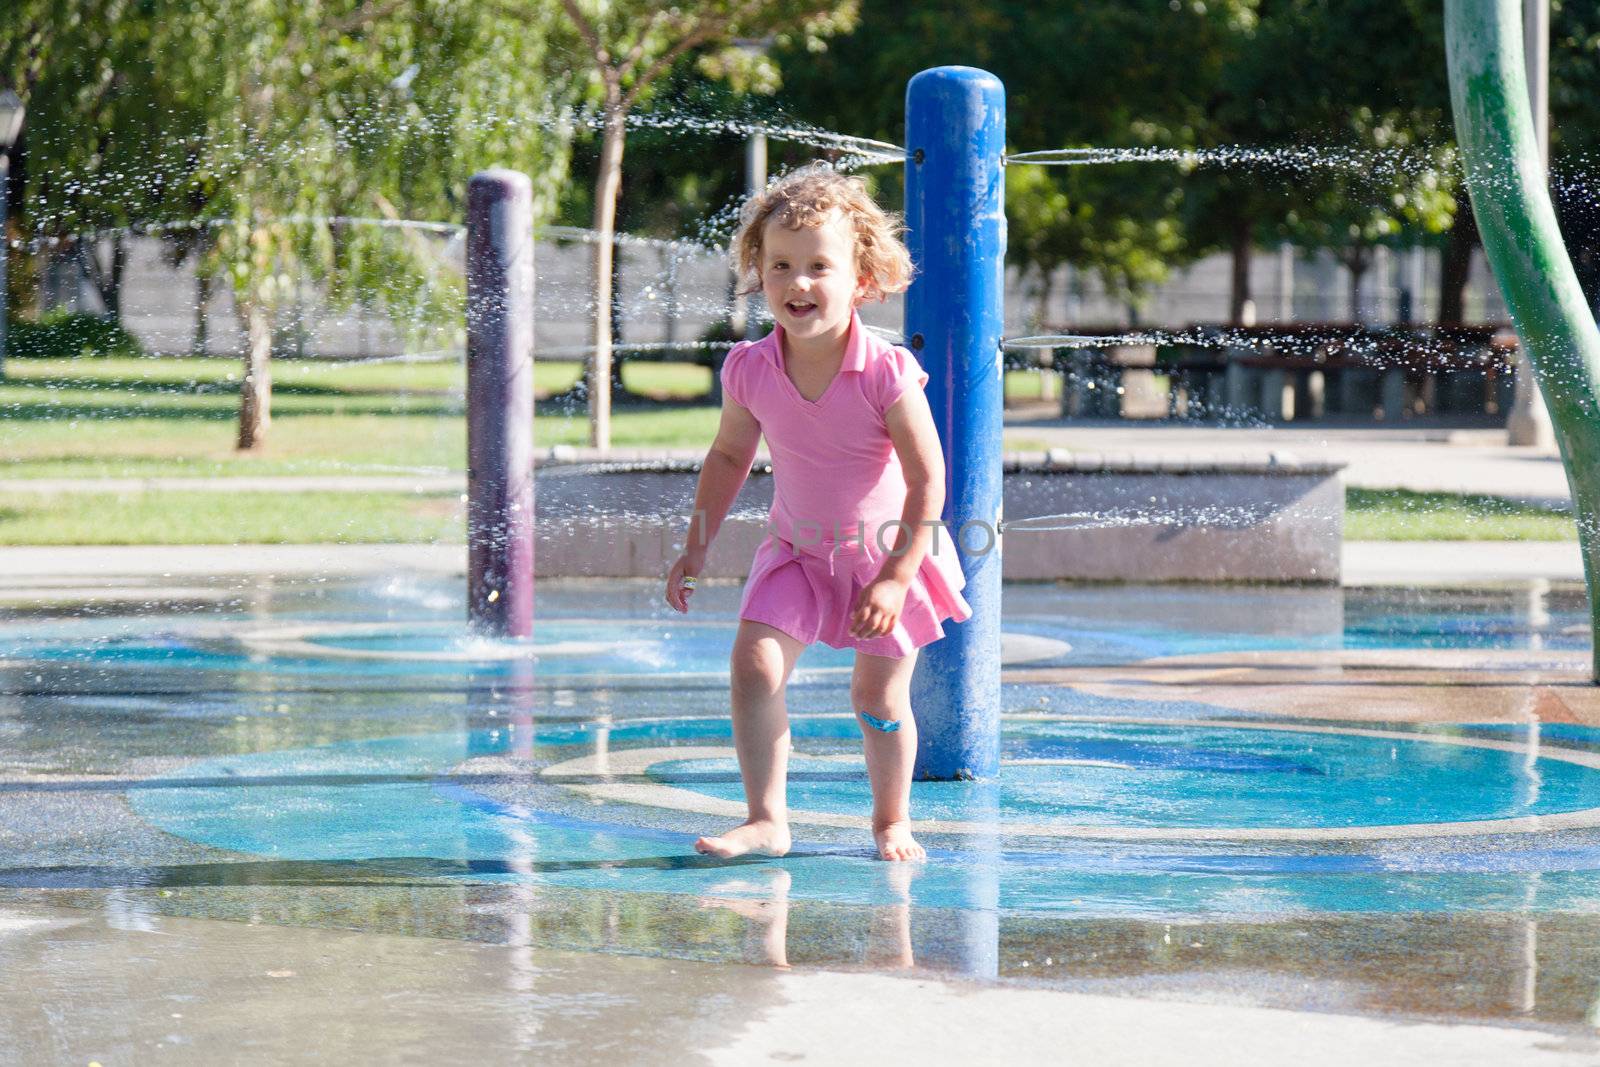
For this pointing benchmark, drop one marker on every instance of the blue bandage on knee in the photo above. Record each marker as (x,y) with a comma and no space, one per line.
(887,726)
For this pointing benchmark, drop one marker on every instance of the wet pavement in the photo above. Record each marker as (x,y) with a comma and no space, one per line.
(125,986)
(1372,814)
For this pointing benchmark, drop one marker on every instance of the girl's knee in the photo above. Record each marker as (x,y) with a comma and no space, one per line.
(757,668)
(878,698)
(881,685)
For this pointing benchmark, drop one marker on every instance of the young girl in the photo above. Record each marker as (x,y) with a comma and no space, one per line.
(858,485)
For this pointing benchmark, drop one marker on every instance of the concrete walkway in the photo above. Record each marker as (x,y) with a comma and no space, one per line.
(1424,460)
(1459,562)
(1363,562)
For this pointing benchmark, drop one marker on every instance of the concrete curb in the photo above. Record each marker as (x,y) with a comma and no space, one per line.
(1112,519)
(1364,562)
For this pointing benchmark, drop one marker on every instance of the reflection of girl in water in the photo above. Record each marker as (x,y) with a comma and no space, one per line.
(764,901)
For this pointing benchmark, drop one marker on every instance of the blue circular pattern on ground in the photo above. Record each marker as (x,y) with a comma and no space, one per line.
(391,802)
(1145,775)
(577,650)
(667,647)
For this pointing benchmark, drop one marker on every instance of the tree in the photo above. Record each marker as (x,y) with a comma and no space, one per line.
(1164,74)
(280,118)
(104,130)
(1057,216)
(366,109)
(678,187)
(1575,132)
(1178,69)
(1100,74)
(630,44)
(1349,95)
(32,31)
(1352,214)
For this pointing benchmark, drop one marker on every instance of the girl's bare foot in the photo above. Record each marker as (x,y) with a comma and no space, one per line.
(895,842)
(763,836)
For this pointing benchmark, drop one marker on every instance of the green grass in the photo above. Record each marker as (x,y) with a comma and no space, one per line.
(103,418)
(360,443)
(667,381)
(162,380)
(203,518)
(1024,384)
(176,417)
(1402,515)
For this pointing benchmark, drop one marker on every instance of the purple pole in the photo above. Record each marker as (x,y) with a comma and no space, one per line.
(500,403)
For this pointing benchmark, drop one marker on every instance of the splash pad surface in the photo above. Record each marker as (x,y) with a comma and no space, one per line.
(1264,762)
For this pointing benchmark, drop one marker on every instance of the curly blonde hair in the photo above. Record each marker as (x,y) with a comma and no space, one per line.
(808,197)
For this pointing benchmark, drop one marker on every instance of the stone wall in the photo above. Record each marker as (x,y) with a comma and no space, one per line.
(1068,516)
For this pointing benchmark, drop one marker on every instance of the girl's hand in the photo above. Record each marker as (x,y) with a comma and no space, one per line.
(681,580)
(878,608)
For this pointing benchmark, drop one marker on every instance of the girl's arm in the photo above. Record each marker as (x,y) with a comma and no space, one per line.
(916,442)
(723,473)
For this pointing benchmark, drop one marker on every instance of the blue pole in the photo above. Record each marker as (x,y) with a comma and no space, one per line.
(955,217)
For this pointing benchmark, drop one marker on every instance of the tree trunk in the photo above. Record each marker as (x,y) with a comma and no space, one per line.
(255,394)
(107,285)
(1455,266)
(1046,290)
(202,299)
(1356,260)
(1239,291)
(119,264)
(669,306)
(615,312)
(607,184)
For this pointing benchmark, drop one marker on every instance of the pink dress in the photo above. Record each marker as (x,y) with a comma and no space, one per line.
(838,493)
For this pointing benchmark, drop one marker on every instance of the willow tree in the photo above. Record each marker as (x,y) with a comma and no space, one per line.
(104,130)
(320,109)
(629,45)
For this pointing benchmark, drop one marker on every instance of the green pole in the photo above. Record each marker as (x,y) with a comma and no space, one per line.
(1510,195)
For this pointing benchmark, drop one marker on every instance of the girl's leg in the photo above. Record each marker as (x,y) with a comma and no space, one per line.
(763,658)
(881,688)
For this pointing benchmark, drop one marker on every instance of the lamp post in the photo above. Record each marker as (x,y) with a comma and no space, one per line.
(11,112)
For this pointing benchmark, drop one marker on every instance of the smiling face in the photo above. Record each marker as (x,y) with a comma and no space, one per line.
(808,276)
